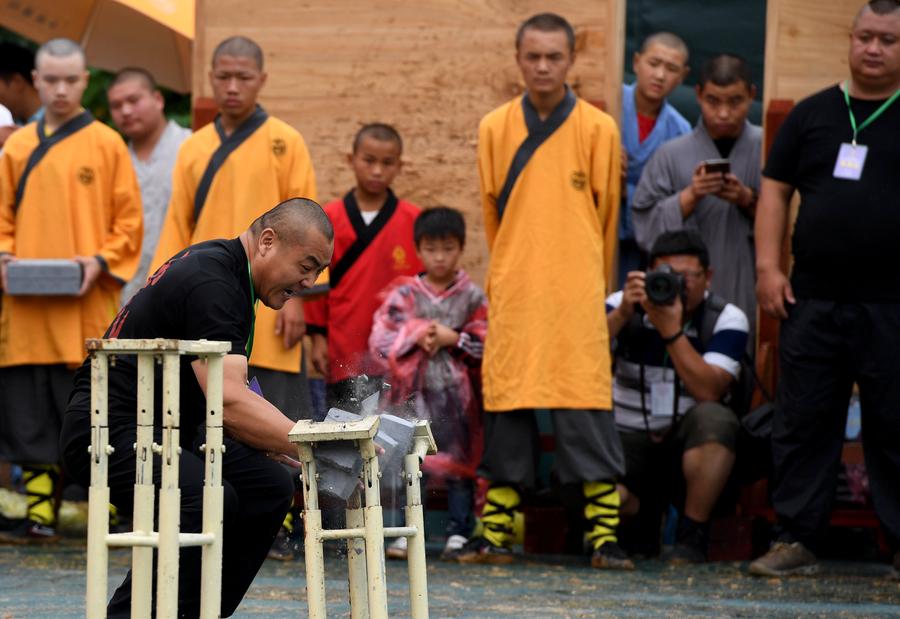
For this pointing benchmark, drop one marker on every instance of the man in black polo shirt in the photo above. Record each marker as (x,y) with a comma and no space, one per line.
(209,291)
(840,149)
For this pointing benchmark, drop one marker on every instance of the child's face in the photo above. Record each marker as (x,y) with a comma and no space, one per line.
(440,256)
(375,164)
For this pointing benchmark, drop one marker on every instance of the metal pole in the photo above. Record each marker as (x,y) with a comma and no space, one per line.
(312,520)
(213,492)
(356,560)
(144,491)
(375,573)
(169,494)
(415,558)
(98,494)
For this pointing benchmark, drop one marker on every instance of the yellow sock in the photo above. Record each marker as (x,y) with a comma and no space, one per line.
(288,522)
(601,512)
(497,518)
(40,489)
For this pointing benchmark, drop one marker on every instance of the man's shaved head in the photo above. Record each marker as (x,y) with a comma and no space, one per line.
(879,7)
(292,218)
(666,39)
(59,48)
(240,47)
(133,73)
(547,22)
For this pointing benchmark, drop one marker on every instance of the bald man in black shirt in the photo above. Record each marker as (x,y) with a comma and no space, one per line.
(209,291)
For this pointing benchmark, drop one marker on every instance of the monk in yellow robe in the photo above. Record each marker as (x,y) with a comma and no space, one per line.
(549,165)
(229,173)
(67,190)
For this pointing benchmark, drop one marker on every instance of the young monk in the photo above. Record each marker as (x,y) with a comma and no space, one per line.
(373,245)
(67,190)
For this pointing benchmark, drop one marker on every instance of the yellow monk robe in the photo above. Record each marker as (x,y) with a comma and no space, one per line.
(81,199)
(269,166)
(551,256)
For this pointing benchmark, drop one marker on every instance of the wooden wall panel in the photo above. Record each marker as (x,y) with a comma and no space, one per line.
(432,68)
(806,46)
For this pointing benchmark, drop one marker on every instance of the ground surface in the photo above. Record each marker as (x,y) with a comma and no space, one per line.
(49,583)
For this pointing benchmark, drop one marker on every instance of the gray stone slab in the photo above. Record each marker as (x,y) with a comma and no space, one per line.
(341,416)
(336,483)
(341,455)
(43,277)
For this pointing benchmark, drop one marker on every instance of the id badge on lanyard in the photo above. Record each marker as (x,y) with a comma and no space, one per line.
(662,399)
(851,159)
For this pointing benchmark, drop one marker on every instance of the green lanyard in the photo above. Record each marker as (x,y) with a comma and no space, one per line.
(871,118)
(253,301)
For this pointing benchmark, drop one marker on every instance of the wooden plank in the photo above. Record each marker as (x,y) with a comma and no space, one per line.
(432,69)
(806,46)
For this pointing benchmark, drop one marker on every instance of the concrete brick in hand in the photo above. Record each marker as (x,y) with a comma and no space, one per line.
(43,277)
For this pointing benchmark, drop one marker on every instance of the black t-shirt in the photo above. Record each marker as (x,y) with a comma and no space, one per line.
(203,293)
(846,242)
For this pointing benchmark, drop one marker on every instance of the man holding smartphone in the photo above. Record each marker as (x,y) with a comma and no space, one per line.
(708,180)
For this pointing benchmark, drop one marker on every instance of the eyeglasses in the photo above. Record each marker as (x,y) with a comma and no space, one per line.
(694,275)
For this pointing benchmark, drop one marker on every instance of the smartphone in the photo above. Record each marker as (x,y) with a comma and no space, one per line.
(714,166)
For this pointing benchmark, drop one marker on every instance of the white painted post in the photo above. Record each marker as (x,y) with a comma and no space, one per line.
(415,517)
(144,491)
(375,572)
(356,560)
(312,522)
(213,492)
(98,493)
(169,494)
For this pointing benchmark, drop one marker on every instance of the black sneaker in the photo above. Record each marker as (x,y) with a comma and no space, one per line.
(29,532)
(894,574)
(610,556)
(685,553)
(479,550)
(285,547)
(7,524)
(691,543)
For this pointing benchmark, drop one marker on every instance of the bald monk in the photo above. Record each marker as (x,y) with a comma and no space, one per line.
(225,176)
(208,292)
(550,168)
(67,190)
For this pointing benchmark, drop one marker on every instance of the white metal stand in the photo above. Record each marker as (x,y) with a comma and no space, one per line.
(365,532)
(143,539)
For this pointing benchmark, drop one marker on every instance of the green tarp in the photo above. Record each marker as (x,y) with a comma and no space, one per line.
(709,27)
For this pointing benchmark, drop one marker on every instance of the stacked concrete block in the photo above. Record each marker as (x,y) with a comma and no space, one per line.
(339,463)
(395,436)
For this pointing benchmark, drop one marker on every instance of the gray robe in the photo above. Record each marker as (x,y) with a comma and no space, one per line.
(726,229)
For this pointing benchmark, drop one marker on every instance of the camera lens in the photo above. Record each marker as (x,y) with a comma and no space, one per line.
(663,285)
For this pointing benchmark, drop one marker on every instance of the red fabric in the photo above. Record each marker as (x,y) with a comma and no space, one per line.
(346,311)
(645,126)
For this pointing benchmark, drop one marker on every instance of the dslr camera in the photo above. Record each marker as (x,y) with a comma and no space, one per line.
(664,285)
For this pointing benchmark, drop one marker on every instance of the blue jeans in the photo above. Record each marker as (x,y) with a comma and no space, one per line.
(460,505)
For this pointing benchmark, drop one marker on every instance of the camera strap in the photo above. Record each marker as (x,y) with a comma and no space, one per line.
(642,378)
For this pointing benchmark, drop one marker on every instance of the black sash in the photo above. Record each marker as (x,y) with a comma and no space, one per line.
(365,234)
(228,145)
(538,132)
(45,143)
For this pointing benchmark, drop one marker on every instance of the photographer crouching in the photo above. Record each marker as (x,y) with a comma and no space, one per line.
(677,350)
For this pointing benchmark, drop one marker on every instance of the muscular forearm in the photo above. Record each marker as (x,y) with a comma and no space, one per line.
(252,420)
(703,382)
